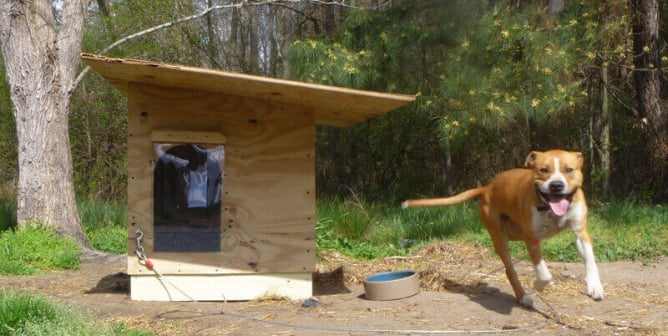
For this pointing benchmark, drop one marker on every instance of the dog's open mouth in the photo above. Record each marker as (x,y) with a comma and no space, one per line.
(558,203)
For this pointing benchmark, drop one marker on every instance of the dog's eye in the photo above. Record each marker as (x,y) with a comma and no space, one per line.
(569,170)
(544,170)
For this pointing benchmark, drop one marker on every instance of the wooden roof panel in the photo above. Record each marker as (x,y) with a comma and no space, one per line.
(333,106)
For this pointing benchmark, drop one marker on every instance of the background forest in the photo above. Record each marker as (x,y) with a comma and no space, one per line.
(494,80)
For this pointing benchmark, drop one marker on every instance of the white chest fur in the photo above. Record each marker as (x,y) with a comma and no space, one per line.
(546,224)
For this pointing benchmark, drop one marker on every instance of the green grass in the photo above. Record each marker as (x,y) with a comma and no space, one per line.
(621,230)
(368,231)
(629,231)
(36,248)
(105,225)
(28,314)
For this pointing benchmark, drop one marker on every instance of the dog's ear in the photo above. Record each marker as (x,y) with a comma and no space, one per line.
(531,159)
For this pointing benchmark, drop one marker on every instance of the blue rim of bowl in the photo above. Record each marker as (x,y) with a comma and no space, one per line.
(389,276)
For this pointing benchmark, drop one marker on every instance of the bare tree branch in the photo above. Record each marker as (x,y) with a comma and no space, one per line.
(208,11)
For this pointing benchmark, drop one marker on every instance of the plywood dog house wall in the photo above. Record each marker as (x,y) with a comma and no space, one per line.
(252,230)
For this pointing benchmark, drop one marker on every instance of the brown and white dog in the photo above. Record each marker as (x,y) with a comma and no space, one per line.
(530,205)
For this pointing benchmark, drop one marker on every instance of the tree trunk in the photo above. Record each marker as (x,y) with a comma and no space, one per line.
(446,166)
(41,57)
(210,57)
(253,55)
(648,75)
(604,135)
(236,38)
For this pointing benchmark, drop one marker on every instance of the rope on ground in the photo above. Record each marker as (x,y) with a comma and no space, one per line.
(372,330)
(554,316)
(144,260)
(350,329)
(166,282)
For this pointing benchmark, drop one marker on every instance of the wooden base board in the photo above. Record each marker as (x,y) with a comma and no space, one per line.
(231,287)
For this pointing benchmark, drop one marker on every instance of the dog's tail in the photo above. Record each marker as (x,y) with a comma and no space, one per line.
(459,198)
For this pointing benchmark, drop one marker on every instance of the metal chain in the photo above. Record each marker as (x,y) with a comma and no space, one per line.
(140,248)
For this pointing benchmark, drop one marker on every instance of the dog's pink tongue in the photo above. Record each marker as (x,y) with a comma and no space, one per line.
(559,205)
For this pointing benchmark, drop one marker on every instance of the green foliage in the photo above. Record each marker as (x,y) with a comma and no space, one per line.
(379,51)
(493,82)
(518,65)
(372,53)
(327,71)
(97,214)
(98,127)
(130,17)
(105,225)
(34,315)
(98,116)
(34,248)
(7,213)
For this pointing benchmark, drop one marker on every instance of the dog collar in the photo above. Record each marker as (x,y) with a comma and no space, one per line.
(543,207)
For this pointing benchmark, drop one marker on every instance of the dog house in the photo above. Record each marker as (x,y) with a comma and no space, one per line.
(221,177)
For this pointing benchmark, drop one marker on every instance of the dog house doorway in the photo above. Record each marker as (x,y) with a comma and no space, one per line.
(187,195)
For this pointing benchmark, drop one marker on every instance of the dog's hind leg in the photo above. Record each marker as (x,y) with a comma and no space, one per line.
(501,247)
(500,241)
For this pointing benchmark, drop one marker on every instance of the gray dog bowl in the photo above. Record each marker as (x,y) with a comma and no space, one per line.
(391,285)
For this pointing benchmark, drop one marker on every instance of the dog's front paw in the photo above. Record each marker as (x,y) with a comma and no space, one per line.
(540,285)
(594,287)
(543,276)
(595,290)
(527,301)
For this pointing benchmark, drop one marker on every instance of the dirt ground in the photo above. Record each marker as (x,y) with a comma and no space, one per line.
(463,290)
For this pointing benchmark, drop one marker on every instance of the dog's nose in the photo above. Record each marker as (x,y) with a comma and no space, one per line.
(556,186)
